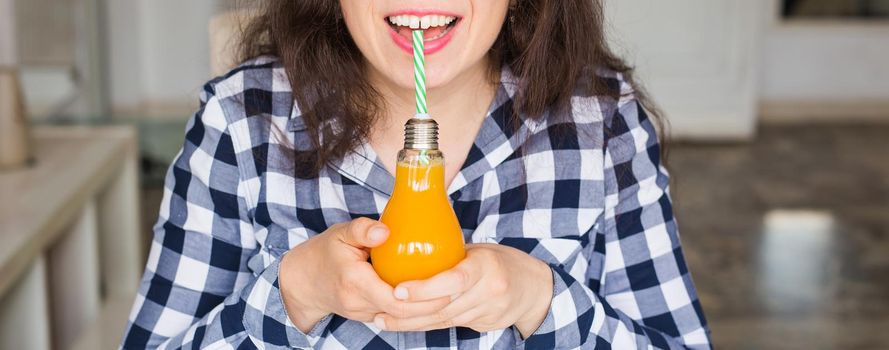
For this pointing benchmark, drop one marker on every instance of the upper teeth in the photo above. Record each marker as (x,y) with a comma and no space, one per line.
(424,22)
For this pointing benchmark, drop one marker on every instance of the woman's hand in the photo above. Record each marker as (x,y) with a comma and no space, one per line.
(329,273)
(495,287)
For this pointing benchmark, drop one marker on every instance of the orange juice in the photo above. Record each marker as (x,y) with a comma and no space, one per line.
(425,236)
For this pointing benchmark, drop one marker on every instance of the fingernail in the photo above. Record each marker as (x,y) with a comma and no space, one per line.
(401,293)
(378,321)
(377,234)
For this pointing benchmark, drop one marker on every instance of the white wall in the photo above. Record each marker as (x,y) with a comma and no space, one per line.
(830,61)
(826,69)
(157,55)
(123,52)
(699,60)
(714,76)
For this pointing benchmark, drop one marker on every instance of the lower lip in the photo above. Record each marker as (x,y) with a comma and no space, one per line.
(430,46)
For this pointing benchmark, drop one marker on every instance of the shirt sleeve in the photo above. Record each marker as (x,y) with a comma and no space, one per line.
(645,298)
(197,290)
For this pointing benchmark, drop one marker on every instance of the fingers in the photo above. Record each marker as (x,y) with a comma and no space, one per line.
(461,311)
(379,294)
(445,284)
(363,233)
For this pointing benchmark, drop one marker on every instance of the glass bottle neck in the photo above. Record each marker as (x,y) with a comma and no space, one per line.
(419,171)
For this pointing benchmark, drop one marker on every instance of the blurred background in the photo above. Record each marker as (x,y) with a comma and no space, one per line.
(779,155)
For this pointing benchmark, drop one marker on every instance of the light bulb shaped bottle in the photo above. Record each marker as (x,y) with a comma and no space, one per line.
(424,235)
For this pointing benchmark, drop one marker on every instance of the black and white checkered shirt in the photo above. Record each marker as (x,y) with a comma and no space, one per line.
(585,193)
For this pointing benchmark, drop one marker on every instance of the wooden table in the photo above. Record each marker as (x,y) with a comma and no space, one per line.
(69,239)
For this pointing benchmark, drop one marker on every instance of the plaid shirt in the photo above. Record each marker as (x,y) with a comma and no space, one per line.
(583,191)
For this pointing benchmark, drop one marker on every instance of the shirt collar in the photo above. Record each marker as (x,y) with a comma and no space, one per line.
(497,139)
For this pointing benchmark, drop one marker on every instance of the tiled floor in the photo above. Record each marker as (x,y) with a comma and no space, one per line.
(787,236)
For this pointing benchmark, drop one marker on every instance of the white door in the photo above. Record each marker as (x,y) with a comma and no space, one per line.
(699,59)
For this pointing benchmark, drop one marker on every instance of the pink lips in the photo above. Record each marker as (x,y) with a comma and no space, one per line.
(431,46)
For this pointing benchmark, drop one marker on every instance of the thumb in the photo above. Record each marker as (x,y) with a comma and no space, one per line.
(364,233)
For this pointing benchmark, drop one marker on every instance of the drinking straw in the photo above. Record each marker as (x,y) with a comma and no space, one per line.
(420,74)
(420,83)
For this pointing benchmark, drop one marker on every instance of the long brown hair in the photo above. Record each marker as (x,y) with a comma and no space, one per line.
(550,45)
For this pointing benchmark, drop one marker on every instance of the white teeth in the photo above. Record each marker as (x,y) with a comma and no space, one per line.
(424,22)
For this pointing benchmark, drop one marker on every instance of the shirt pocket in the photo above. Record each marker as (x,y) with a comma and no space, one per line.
(570,223)
(554,251)
(555,236)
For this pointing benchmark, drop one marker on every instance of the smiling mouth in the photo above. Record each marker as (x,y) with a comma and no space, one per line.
(433,26)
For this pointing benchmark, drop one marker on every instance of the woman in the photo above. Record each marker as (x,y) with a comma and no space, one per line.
(552,166)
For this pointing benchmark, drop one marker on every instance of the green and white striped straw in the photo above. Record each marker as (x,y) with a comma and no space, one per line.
(420,82)
(420,73)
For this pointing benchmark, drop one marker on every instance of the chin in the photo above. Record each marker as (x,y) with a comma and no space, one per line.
(436,77)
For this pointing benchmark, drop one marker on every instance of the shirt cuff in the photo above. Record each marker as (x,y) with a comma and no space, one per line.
(569,318)
(266,319)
